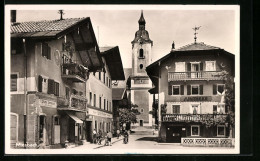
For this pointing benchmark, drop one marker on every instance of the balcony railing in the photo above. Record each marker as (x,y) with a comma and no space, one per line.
(200,75)
(74,72)
(191,117)
(214,142)
(74,103)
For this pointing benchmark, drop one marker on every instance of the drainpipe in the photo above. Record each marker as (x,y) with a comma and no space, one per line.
(159,106)
(25,95)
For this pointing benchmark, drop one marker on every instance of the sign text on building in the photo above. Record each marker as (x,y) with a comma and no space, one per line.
(196,99)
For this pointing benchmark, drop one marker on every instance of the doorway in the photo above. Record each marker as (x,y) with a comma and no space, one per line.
(195,70)
(89,131)
(141,122)
(42,127)
(173,134)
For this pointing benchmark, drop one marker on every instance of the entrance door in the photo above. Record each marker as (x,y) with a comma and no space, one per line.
(88,131)
(14,128)
(141,122)
(195,70)
(42,130)
(173,134)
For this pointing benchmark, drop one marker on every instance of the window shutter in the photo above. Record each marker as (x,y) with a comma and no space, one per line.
(188,89)
(214,89)
(51,86)
(188,67)
(40,83)
(182,89)
(49,52)
(169,89)
(201,89)
(215,107)
(13,82)
(57,88)
(201,66)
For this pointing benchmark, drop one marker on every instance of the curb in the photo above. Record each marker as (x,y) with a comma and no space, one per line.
(105,145)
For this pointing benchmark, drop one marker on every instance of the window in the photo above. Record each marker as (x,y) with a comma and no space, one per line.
(90,98)
(195,109)
(195,130)
(141,53)
(179,66)
(99,75)
(56,89)
(210,65)
(104,104)
(194,89)
(94,100)
(109,83)
(42,84)
(67,90)
(175,109)
(141,66)
(106,81)
(100,102)
(215,109)
(14,78)
(221,108)
(175,90)
(218,89)
(46,51)
(96,125)
(107,105)
(53,87)
(141,110)
(221,130)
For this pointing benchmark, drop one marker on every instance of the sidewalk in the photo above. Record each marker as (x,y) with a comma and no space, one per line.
(96,146)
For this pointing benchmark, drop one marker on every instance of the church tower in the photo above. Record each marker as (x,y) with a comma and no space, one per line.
(140,82)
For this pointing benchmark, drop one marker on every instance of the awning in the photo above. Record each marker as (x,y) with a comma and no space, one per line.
(75,118)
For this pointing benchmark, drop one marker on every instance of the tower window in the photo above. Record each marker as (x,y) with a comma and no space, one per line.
(141,66)
(141,53)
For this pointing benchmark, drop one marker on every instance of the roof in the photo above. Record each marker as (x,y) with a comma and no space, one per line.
(114,62)
(118,93)
(197,46)
(187,50)
(122,84)
(44,28)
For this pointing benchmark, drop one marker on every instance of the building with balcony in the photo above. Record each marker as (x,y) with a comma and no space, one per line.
(190,84)
(99,92)
(50,65)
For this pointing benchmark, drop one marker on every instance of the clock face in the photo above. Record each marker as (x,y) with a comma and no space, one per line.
(57,57)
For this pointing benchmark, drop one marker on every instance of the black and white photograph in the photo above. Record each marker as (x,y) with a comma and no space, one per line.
(122,79)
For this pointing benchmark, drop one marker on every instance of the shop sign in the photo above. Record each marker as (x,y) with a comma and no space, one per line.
(47,103)
(196,99)
(99,113)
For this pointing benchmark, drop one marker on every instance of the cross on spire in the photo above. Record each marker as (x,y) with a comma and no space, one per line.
(195,33)
(61,13)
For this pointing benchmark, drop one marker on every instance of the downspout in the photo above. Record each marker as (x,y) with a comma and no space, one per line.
(25,95)
(159,106)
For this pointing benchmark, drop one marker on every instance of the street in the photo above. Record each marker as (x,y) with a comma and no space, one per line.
(141,142)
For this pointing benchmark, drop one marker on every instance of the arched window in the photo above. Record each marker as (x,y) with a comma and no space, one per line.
(141,53)
(141,66)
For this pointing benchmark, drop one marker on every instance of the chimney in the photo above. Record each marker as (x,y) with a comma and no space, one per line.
(173,46)
(13,16)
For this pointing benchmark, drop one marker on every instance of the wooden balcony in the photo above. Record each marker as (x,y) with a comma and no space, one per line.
(191,117)
(200,75)
(74,103)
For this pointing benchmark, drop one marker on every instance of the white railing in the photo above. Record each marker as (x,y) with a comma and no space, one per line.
(214,142)
(200,75)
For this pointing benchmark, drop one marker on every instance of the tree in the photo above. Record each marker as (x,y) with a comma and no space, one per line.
(128,116)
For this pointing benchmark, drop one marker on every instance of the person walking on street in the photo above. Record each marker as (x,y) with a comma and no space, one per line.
(117,133)
(94,136)
(99,137)
(109,137)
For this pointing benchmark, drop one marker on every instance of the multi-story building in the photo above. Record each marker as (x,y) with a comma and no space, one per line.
(99,91)
(140,82)
(190,83)
(50,64)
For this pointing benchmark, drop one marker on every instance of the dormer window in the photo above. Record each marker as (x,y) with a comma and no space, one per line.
(141,53)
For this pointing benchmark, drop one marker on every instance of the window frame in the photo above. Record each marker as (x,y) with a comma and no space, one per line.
(176,105)
(214,69)
(198,130)
(195,104)
(141,110)
(198,89)
(94,100)
(179,90)
(184,66)
(224,130)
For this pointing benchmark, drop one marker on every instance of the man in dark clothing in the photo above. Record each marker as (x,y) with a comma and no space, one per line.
(109,137)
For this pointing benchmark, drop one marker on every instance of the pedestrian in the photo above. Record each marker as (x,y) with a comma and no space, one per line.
(99,137)
(117,133)
(94,136)
(125,134)
(109,137)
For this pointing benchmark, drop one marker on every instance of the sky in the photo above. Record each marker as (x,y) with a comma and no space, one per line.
(117,27)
